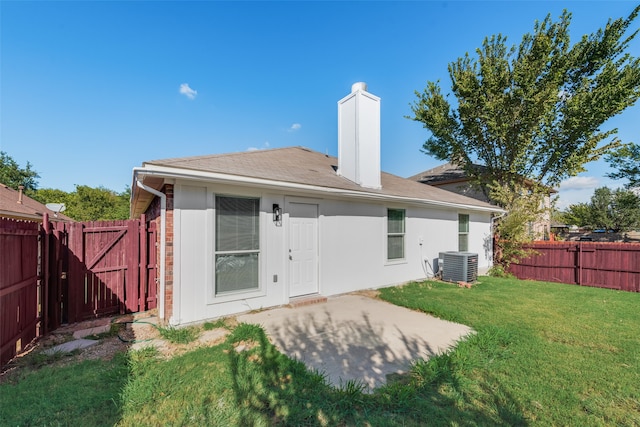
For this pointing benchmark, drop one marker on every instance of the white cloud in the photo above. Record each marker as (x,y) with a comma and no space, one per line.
(577,189)
(294,127)
(568,198)
(187,91)
(264,147)
(579,183)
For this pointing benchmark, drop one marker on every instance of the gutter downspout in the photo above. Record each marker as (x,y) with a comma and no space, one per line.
(163,247)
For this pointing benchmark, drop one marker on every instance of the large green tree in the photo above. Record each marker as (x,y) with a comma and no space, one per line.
(626,161)
(88,203)
(12,175)
(533,113)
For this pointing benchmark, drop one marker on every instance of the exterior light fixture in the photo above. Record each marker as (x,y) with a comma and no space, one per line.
(277,214)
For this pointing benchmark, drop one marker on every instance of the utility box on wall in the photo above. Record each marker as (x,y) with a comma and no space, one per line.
(458,266)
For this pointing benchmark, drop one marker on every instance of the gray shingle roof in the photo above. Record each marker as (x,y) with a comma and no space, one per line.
(304,166)
(450,173)
(447,172)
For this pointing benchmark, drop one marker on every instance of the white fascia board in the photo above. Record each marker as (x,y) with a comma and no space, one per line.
(426,202)
(168,172)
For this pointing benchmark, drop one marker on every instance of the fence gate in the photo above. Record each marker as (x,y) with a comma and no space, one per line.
(109,271)
(148,264)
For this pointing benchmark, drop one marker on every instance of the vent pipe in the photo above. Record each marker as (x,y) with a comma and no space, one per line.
(20,189)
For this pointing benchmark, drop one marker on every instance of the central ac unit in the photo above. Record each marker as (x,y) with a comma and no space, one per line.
(458,266)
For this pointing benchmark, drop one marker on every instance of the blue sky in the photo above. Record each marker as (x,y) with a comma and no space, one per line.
(90,90)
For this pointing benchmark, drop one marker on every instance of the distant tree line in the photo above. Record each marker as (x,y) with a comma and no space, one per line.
(615,210)
(88,203)
(85,203)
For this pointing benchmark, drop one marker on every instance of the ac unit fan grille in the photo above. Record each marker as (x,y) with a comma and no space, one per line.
(459,266)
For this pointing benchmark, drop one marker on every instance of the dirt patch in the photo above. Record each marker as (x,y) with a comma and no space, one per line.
(34,357)
(149,336)
(125,333)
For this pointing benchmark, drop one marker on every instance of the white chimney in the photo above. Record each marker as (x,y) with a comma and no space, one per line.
(359,137)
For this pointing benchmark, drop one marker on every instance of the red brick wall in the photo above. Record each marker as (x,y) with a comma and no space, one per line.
(168,268)
(153,215)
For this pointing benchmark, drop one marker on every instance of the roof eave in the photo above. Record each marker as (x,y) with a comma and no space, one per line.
(20,215)
(215,177)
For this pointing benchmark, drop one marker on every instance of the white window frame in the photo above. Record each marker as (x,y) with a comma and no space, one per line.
(464,232)
(233,295)
(397,234)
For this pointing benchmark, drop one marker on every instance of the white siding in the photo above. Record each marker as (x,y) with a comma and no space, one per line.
(351,248)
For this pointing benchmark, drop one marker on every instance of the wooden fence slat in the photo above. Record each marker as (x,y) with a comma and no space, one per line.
(132,259)
(76,280)
(19,285)
(58,273)
(151,285)
(142,262)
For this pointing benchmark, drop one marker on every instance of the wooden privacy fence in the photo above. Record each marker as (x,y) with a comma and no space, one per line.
(596,264)
(19,285)
(59,272)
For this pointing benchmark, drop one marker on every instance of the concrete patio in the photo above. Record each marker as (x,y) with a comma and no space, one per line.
(355,337)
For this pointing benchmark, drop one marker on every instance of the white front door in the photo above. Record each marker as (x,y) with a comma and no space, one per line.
(303,249)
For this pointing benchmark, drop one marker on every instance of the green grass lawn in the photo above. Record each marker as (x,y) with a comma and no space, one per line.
(543,354)
(572,354)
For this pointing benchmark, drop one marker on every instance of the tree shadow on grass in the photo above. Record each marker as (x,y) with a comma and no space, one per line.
(273,389)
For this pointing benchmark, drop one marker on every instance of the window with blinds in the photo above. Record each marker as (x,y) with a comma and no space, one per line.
(395,234)
(237,244)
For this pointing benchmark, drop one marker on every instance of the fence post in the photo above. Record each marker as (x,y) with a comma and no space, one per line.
(579,263)
(142,263)
(75,278)
(45,274)
(132,297)
(58,270)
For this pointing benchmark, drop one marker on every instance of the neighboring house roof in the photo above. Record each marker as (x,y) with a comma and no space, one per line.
(28,209)
(447,174)
(443,174)
(297,167)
